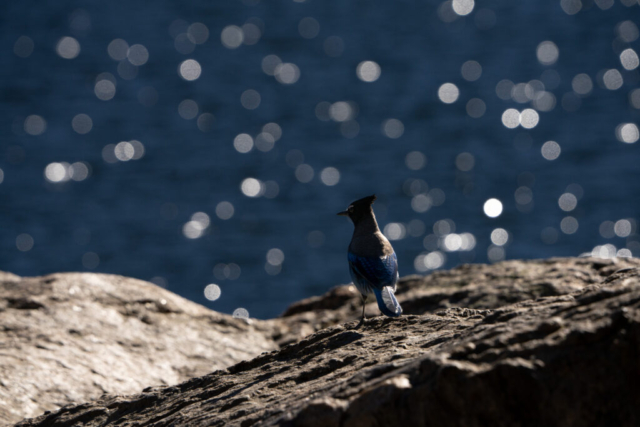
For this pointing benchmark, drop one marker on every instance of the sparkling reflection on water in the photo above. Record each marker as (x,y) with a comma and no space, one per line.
(208,149)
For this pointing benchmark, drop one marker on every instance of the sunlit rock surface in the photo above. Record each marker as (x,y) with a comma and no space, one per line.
(553,342)
(477,286)
(68,338)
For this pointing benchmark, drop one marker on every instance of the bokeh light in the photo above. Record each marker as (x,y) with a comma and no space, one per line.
(415,160)
(395,231)
(243,143)
(264,142)
(212,292)
(604,4)
(569,225)
(550,150)
(567,202)
(495,253)
(340,111)
(308,27)
(629,59)
(504,89)
(471,71)
(24,242)
(23,47)
(250,99)
(275,256)
(230,271)
(627,132)
(582,84)
(463,7)
(269,64)
(287,73)
(225,210)
(511,118)
(421,203)
(465,162)
(205,122)
(547,53)
(198,32)
(304,173)
(251,32)
(82,124)
(622,228)
(368,71)
(232,37)
(188,109)
(627,30)
(56,172)
(241,313)
(105,89)
(117,49)
(251,187)
(190,70)
(68,48)
(393,128)
(79,171)
(476,108)
(612,79)
(138,55)
(35,125)
(499,237)
(330,176)
(124,151)
(448,93)
(571,7)
(529,118)
(197,226)
(273,129)
(492,208)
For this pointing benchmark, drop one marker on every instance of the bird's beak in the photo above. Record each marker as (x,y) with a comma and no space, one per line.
(343,213)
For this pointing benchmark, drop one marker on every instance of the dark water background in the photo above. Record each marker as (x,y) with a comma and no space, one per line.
(128,217)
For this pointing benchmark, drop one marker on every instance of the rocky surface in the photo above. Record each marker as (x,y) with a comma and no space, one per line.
(478,286)
(72,337)
(553,342)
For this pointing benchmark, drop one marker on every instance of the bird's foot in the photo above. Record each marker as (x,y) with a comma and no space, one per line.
(361,323)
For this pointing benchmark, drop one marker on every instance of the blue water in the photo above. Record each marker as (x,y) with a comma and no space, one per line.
(127,217)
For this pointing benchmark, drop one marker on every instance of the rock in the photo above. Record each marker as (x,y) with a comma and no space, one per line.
(477,286)
(68,338)
(530,343)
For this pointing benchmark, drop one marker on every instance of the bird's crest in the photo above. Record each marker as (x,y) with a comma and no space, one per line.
(365,201)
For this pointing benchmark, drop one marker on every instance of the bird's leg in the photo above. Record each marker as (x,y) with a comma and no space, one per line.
(364,303)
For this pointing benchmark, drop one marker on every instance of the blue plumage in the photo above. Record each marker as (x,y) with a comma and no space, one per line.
(378,276)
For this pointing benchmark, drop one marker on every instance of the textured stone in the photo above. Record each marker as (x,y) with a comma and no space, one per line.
(67,338)
(478,286)
(553,342)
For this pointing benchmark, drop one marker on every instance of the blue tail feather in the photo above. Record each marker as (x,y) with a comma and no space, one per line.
(387,302)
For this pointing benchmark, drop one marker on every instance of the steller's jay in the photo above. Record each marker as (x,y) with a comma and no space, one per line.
(372,261)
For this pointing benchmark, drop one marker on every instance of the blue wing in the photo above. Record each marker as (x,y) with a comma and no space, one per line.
(377,275)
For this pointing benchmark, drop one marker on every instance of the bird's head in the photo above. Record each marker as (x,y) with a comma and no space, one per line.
(359,209)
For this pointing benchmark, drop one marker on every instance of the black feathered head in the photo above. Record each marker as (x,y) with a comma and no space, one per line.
(359,209)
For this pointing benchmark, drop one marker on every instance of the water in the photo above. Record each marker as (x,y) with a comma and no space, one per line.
(133,216)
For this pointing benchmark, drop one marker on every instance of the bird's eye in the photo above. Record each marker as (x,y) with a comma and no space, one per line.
(350,209)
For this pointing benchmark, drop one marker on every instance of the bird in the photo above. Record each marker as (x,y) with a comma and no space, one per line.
(373,263)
